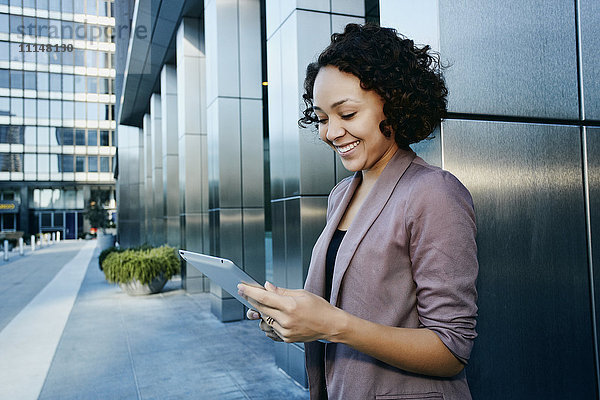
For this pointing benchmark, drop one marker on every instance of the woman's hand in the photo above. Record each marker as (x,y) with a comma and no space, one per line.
(264,326)
(294,315)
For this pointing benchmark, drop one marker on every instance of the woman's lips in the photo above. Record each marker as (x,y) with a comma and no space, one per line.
(346,149)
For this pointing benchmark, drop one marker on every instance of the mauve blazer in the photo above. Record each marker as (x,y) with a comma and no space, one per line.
(408,259)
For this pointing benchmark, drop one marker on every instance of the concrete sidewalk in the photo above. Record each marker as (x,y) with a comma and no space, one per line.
(113,346)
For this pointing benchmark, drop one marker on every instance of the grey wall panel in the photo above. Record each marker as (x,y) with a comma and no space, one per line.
(590,49)
(313,212)
(593,157)
(230,235)
(250,49)
(254,243)
(510,57)
(534,300)
(293,244)
(316,161)
(229,153)
(278,221)
(430,149)
(252,153)
(194,223)
(275,114)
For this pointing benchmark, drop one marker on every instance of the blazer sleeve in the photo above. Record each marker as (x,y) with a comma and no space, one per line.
(440,222)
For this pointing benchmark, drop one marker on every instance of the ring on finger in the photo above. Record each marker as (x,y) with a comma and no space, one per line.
(269,320)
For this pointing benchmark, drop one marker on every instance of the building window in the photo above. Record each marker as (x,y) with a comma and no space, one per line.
(11,134)
(92,137)
(92,164)
(80,164)
(80,137)
(67,163)
(104,164)
(11,162)
(104,138)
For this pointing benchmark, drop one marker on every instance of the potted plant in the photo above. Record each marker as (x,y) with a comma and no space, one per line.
(142,270)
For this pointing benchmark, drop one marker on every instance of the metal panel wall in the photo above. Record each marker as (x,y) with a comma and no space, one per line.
(148,236)
(193,152)
(170,159)
(303,169)
(129,186)
(592,138)
(517,61)
(533,287)
(158,234)
(589,19)
(234,139)
(510,57)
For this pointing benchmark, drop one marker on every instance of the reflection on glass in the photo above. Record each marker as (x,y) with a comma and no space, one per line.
(16,79)
(45,198)
(79,7)
(42,81)
(4,78)
(11,134)
(29,27)
(79,199)
(91,7)
(55,136)
(68,110)
(29,80)
(15,54)
(29,56)
(55,82)
(80,164)
(16,107)
(70,198)
(43,136)
(92,111)
(30,108)
(35,199)
(92,164)
(29,3)
(55,109)
(92,135)
(57,199)
(104,164)
(80,137)
(67,82)
(4,52)
(67,136)
(3,23)
(67,6)
(43,163)
(16,24)
(104,138)
(43,108)
(79,55)
(54,57)
(79,110)
(90,58)
(30,163)
(67,163)
(66,29)
(54,163)
(79,84)
(54,5)
(11,162)
(30,136)
(4,106)
(92,84)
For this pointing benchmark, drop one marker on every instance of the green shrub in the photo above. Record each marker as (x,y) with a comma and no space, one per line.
(104,253)
(142,265)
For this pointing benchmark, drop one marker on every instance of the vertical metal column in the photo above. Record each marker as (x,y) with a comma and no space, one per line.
(157,172)
(303,170)
(168,96)
(234,104)
(193,147)
(148,186)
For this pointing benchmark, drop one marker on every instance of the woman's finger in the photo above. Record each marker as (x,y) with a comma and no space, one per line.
(252,314)
(262,296)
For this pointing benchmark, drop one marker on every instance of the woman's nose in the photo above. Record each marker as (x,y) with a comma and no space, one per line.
(334,130)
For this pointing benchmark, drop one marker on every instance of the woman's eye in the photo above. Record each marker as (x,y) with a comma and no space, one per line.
(348,116)
(322,121)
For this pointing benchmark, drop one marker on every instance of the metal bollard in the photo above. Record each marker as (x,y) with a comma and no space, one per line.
(52,237)
(21,252)
(58,236)
(32,243)
(5,250)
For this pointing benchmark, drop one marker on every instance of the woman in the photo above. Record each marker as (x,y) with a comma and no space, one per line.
(391,283)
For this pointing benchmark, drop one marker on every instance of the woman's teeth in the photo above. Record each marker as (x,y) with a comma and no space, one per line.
(348,147)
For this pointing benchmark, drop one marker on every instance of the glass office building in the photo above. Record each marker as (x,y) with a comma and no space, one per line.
(57,143)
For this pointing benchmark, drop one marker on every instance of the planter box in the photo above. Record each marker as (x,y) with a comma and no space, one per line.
(135,288)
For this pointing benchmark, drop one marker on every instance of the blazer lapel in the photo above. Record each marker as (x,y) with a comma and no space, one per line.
(368,212)
(315,280)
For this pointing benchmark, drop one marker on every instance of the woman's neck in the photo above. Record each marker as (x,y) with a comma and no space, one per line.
(369,176)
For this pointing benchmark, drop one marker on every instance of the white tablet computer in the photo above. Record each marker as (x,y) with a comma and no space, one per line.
(221,271)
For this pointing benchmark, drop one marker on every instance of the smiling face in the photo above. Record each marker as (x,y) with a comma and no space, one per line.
(349,118)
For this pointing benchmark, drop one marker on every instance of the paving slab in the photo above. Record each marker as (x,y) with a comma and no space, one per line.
(163,346)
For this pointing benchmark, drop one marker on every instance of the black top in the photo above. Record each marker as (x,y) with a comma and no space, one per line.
(332,251)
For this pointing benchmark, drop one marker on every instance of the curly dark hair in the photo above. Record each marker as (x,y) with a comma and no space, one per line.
(408,79)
